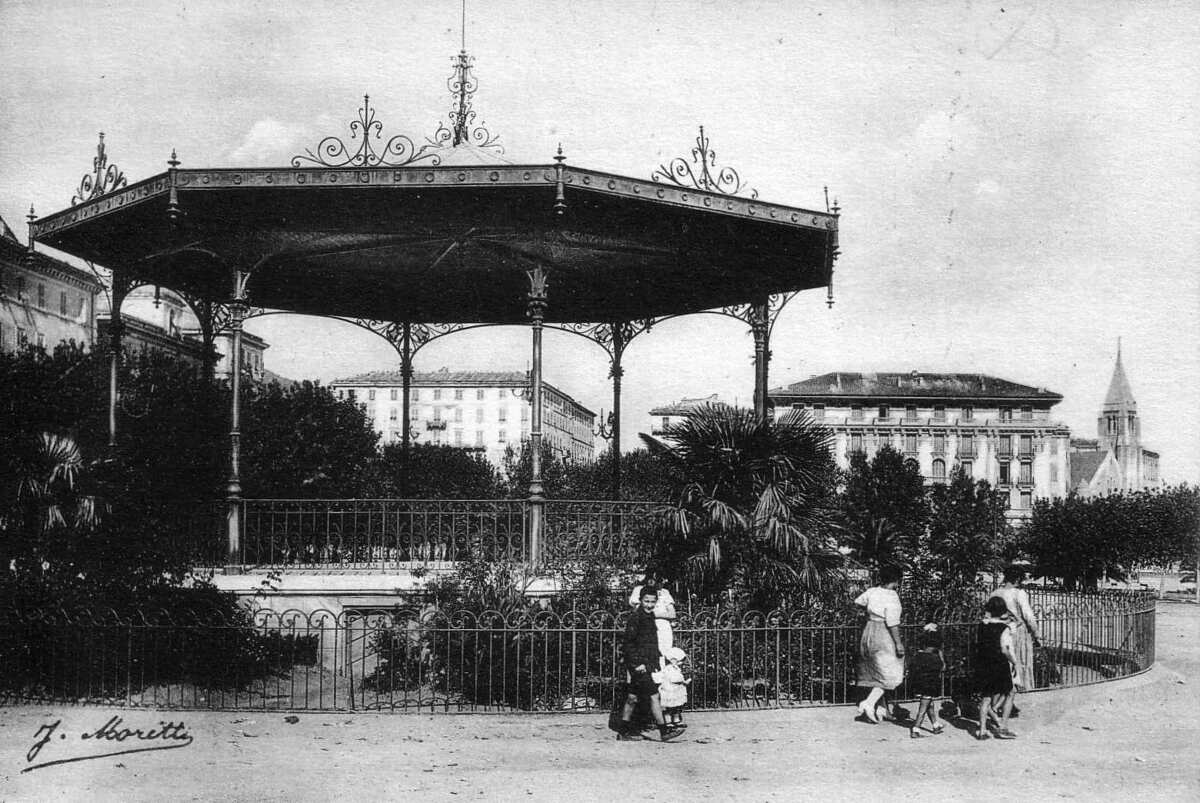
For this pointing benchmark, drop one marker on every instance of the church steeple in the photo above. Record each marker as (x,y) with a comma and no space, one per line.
(1120,395)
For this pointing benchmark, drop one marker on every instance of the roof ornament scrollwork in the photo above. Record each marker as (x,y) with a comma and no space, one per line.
(104,177)
(462,128)
(398,151)
(702,172)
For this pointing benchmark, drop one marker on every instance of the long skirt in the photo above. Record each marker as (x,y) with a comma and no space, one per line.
(878,664)
(1023,651)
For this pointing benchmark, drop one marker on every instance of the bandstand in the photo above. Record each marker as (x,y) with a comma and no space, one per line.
(418,239)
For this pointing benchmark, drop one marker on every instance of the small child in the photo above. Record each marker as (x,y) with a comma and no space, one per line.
(672,690)
(925,670)
(995,666)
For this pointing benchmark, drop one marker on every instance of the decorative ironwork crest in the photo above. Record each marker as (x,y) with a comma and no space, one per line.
(700,173)
(462,85)
(104,177)
(397,152)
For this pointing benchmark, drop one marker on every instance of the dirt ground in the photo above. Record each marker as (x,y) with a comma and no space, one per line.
(1134,739)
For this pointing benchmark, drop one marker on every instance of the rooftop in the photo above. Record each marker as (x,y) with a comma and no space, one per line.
(447,378)
(685,406)
(914,384)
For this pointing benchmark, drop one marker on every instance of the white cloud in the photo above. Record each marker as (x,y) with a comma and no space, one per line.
(269,142)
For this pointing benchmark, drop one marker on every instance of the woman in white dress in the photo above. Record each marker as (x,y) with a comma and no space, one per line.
(880,649)
(664,609)
(1022,623)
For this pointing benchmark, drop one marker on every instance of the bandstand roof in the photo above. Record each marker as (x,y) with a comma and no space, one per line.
(449,243)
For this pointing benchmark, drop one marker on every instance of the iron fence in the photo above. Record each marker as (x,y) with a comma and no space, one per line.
(425,659)
(387,534)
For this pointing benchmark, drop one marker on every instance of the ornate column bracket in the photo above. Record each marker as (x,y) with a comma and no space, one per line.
(702,173)
(103,179)
(419,334)
(612,337)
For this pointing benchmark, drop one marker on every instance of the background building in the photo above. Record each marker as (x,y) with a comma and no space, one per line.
(996,430)
(485,411)
(43,301)
(1115,460)
(675,412)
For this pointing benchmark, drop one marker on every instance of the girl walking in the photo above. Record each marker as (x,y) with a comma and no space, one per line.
(926,668)
(995,665)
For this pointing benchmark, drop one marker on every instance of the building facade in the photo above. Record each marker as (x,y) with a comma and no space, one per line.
(1115,461)
(43,301)
(482,411)
(676,412)
(995,430)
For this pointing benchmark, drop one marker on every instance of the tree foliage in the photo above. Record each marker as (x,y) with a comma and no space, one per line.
(435,471)
(751,508)
(884,510)
(968,532)
(1081,540)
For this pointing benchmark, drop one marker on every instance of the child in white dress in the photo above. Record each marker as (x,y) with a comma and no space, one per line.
(672,691)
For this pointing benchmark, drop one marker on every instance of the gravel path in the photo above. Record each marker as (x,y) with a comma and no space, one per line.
(1134,739)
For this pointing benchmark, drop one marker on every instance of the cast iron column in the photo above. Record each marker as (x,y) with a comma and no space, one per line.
(536,311)
(616,371)
(116,329)
(406,374)
(238,308)
(760,327)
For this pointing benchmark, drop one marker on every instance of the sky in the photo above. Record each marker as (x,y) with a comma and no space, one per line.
(1018,180)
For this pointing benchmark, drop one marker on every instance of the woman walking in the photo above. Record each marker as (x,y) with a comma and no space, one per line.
(880,649)
(1024,626)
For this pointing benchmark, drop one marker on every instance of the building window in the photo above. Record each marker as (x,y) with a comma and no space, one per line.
(968,413)
(939,412)
(968,468)
(41,296)
(885,412)
(479,415)
(1026,413)
(458,437)
(1026,500)
(458,394)
(393,415)
(939,470)
(856,413)
(479,436)
(1006,414)
(910,412)
(1054,472)
(62,302)
(1005,476)
(350,394)
(370,395)
(395,394)
(458,414)
(1006,445)
(82,307)
(414,395)
(797,406)
(41,340)
(1025,473)
(437,394)
(524,414)
(819,412)
(856,443)
(22,337)
(910,442)
(20,288)
(479,394)
(1025,444)
(966,445)
(502,414)
(503,437)
(437,413)
(939,442)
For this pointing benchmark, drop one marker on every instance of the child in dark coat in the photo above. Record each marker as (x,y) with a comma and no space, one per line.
(642,658)
(995,666)
(926,668)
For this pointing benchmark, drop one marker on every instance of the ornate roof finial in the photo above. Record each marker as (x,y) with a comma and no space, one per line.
(103,178)
(173,162)
(32,216)
(399,150)
(677,171)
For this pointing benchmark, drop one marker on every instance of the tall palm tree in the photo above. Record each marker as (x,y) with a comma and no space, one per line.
(751,509)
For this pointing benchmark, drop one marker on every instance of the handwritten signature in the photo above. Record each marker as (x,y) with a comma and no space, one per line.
(112,734)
